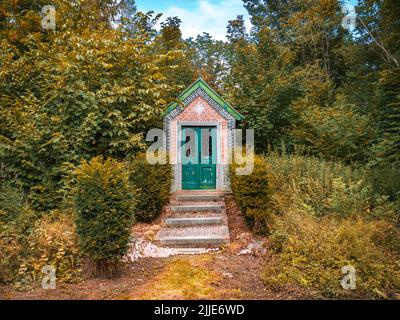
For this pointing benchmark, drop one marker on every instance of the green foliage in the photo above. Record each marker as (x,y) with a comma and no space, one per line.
(337,132)
(209,58)
(278,239)
(286,58)
(329,217)
(30,241)
(317,249)
(105,203)
(254,194)
(11,201)
(14,234)
(179,68)
(308,81)
(17,219)
(75,95)
(52,242)
(384,163)
(153,183)
(385,180)
(319,187)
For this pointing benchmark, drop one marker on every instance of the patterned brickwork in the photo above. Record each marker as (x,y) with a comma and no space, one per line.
(231,122)
(199,108)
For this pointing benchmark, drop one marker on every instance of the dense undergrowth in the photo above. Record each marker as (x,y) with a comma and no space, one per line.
(153,183)
(321,216)
(103,197)
(30,240)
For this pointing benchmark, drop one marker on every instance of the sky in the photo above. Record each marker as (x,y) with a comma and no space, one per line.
(200,16)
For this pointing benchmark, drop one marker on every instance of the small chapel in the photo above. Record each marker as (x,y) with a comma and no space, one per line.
(199,129)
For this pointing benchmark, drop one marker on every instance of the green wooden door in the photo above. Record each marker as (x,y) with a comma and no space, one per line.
(199,157)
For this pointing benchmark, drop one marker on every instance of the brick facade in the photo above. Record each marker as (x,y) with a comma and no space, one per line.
(201,107)
(208,116)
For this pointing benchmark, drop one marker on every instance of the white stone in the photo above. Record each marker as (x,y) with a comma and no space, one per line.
(141,248)
(227,274)
(244,251)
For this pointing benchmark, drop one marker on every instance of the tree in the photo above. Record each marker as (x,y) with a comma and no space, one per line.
(180,70)
(72,94)
(293,58)
(209,57)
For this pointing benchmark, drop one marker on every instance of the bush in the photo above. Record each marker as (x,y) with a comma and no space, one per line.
(253,193)
(317,249)
(11,201)
(318,186)
(330,218)
(52,242)
(17,221)
(153,183)
(105,205)
(10,250)
(385,179)
(335,132)
(29,243)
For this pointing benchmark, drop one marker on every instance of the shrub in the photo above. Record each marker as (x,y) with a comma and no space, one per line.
(321,187)
(253,193)
(17,222)
(11,201)
(52,242)
(330,218)
(105,205)
(10,251)
(278,239)
(335,132)
(29,243)
(317,249)
(385,179)
(154,184)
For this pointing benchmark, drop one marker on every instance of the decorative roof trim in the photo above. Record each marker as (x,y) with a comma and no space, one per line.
(199,83)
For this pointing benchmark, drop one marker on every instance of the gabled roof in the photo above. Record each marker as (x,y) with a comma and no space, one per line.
(200,83)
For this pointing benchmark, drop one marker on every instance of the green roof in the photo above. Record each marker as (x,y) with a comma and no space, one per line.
(213,95)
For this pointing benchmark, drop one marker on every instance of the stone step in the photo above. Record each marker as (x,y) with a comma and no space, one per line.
(190,221)
(198,197)
(197,208)
(190,250)
(204,236)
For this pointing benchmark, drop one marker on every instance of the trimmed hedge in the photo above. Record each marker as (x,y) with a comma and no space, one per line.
(154,184)
(253,193)
(105,205)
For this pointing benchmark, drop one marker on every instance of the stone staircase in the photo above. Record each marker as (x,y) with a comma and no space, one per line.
(194,219)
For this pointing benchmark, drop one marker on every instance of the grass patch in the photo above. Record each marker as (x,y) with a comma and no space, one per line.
(183,278)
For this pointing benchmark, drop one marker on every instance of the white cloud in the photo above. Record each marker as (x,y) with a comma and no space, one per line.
(208,17)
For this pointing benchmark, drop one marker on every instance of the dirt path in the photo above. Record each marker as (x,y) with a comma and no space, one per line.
(217,275)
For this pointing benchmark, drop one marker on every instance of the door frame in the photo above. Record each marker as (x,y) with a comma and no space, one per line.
(178,171)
